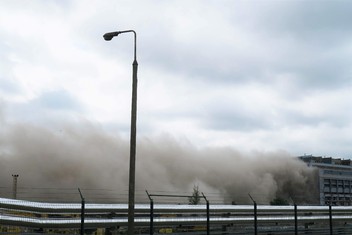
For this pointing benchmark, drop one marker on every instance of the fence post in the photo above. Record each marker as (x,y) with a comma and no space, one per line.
(296,220)
(208,214)
(255,219)
(208,218)
(82,211)
(255,216)
(151,220)
(330,219)
(151,217)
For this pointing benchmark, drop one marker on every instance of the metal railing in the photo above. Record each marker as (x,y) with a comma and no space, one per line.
(209,218)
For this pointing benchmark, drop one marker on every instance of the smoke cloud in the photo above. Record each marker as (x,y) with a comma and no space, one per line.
(83,155)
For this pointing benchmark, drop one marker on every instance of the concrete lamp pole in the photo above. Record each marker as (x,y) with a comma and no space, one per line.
(14,186)
(132,173)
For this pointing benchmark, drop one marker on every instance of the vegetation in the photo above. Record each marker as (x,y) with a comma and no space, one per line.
(195,198)
(279,202)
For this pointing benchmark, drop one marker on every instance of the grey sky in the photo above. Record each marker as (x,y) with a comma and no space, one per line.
(251,75)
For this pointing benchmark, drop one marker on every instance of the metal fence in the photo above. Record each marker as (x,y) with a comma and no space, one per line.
(19,216)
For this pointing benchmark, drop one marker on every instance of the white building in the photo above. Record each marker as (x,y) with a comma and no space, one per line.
(335,179)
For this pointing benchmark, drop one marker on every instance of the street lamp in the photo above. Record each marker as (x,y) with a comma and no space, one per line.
(14,186)
(131,184)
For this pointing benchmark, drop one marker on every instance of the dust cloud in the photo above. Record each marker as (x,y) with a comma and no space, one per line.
(84,155)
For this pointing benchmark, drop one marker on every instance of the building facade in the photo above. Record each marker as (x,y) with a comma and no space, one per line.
(335,179)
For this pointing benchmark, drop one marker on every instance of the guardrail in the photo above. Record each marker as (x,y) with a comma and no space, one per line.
(68,215)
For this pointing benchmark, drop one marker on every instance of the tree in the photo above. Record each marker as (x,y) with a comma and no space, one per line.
(195,198)
(279,202)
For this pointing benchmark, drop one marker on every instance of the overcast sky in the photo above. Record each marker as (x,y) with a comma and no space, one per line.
(250,75)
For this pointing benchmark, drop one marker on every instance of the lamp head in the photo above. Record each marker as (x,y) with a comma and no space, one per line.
(109,36)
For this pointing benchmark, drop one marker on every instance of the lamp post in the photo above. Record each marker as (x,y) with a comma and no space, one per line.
(131,185)
(14,186)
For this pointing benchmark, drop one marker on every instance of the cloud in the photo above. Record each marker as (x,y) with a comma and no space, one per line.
(250,74)
(57,100)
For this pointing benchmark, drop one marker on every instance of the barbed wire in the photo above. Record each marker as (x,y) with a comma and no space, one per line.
(111,195)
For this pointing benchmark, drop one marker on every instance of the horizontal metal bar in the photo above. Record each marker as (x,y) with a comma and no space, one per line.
(168,195)
(220,214)
(43,207)
(103,223)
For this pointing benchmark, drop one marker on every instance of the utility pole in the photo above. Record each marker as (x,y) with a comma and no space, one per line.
(14,186)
